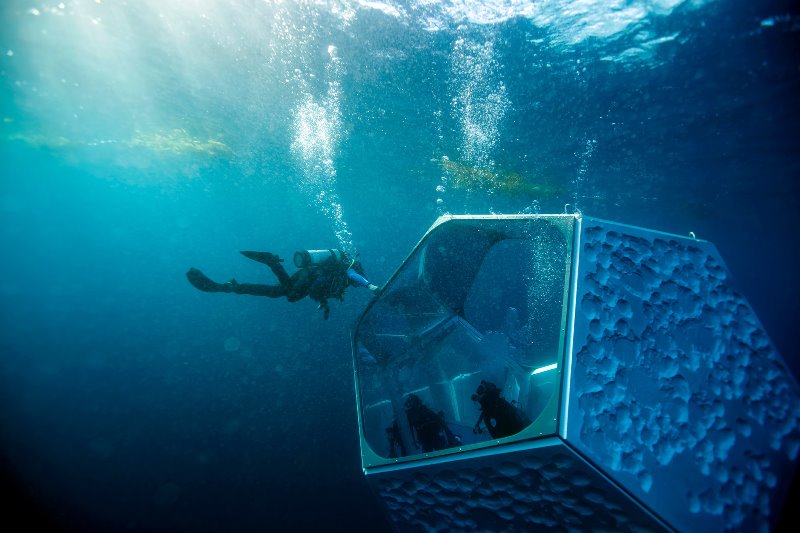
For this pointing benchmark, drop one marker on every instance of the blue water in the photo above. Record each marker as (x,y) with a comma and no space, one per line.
(140,140)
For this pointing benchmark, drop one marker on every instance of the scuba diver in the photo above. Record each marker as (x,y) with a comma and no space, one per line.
(429,429)
(321,274)
(501,417)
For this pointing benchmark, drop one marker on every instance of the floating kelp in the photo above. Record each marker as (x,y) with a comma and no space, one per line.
(175,141)
(37,140)
(178,141)
(469,178)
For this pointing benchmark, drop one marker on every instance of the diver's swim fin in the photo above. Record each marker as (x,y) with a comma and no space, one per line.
(262,257)
(203,283)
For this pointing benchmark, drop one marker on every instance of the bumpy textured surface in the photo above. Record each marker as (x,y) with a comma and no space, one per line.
(677,392)
(548,489)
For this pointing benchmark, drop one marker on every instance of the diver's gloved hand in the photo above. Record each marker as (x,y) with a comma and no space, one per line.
(374,288)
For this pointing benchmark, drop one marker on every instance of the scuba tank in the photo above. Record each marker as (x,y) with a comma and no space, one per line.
(334,271)
(312,258)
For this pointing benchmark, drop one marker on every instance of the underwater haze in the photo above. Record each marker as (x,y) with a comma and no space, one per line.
(142,138)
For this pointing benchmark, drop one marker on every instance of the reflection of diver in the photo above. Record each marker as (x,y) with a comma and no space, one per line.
(429,429)
(321,274)
(500,416)
(396,446)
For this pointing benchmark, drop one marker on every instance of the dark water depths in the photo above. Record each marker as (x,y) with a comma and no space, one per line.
(143,139)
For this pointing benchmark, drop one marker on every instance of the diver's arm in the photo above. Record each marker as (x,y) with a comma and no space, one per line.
(414,436)
(360,280)
(477,429)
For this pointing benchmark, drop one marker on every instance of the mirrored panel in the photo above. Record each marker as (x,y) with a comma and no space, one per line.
(464,344)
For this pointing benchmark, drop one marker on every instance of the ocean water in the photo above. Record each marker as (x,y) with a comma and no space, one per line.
(139,139)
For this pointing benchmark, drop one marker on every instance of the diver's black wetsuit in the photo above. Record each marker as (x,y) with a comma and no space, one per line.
(293,288)
(319,282)
(500,416)
(428,427)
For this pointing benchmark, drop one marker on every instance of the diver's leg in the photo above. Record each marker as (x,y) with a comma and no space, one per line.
(273,262)
(202,282)
(297,286)
(282,276)
(271,291)
(262,257)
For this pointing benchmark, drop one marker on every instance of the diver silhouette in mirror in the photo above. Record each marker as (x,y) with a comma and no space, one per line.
(320,275)
(501,417)
(396,446)
(429,429)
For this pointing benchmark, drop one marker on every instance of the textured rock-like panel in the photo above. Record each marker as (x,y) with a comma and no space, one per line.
(548,489)
(677,392)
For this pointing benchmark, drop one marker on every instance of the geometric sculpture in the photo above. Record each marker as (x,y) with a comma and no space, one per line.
(637,388)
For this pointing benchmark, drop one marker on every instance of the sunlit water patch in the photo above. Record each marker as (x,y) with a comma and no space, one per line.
(581,176)
(316,134)
(480,101)
(567,21)
(479,104)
